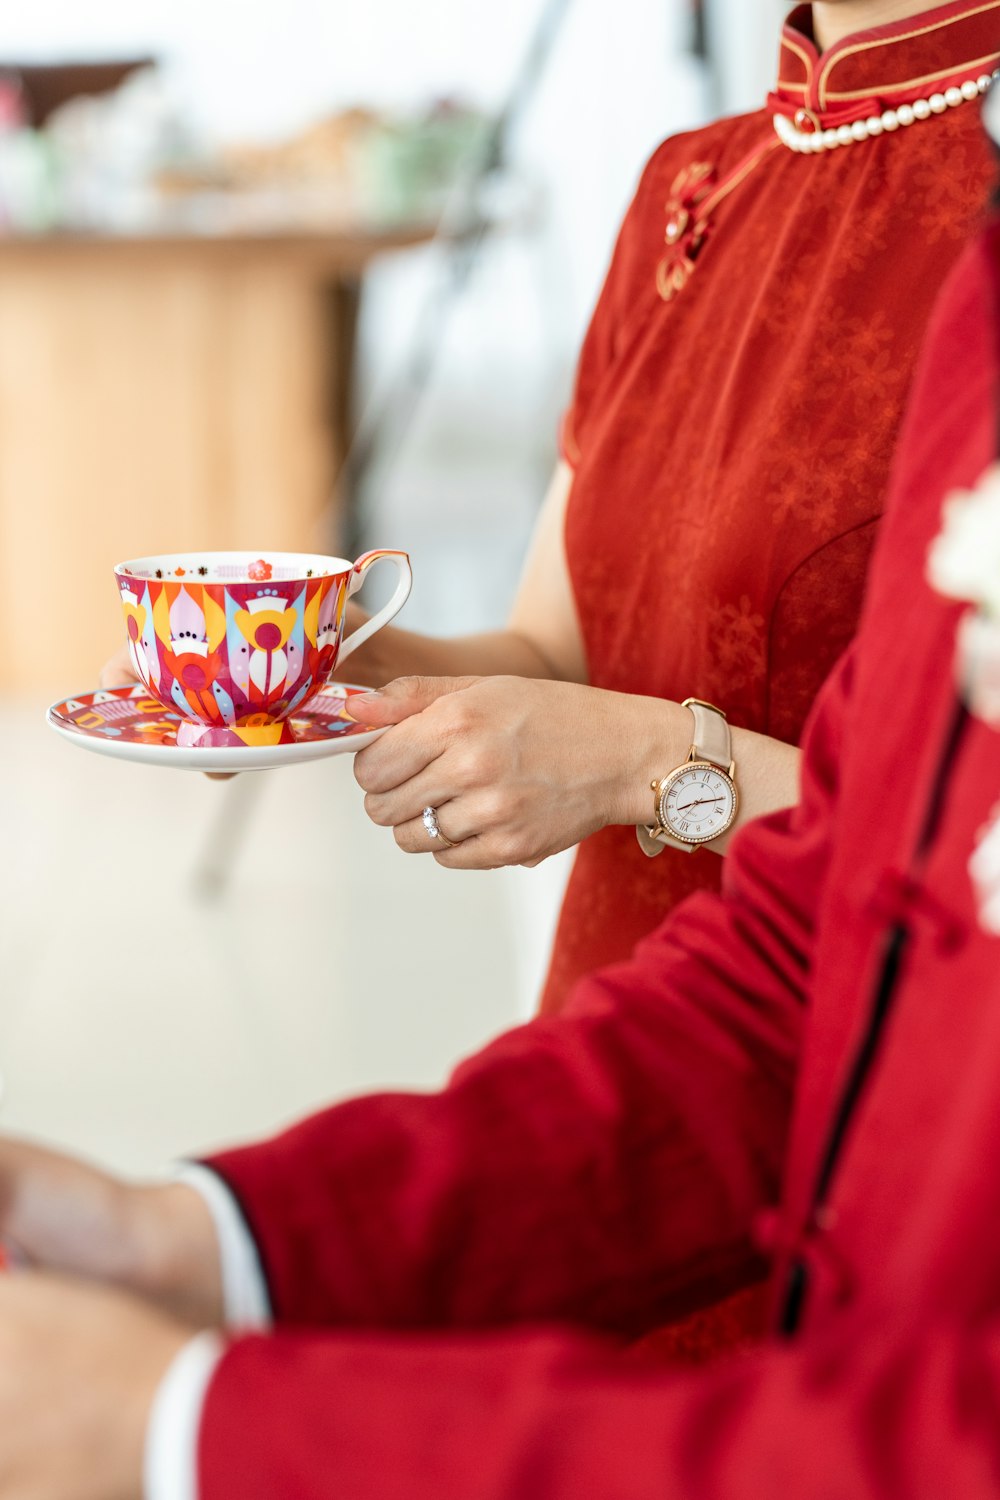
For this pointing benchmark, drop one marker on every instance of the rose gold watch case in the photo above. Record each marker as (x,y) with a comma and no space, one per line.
(663,791)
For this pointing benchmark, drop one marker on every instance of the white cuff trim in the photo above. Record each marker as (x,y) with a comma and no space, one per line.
(170,1462)
(244,1288)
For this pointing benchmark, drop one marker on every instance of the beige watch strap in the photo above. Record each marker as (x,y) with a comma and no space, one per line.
(712,742)
(712,738)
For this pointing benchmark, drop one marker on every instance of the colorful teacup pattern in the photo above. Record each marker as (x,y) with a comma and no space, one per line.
(238,657)
(236,644)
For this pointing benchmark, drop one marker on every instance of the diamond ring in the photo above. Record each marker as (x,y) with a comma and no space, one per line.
(433,828)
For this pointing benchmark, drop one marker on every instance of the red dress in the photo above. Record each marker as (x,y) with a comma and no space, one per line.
(732,446)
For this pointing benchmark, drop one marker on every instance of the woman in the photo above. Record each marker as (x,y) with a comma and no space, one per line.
(724,462)
(724,465)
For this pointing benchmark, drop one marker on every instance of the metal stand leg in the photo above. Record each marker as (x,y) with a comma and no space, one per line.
(220,849)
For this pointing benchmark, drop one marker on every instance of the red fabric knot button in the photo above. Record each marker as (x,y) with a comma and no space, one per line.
(686,227)
(813,1246)
(827,1256)
(900,899)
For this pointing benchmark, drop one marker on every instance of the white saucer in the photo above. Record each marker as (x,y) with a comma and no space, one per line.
(130,725)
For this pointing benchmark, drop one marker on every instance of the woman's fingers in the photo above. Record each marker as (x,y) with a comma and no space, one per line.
(395,758)
(432,786)
(473,852)
(413,838)
(480,838)
(443,722)
(404,697)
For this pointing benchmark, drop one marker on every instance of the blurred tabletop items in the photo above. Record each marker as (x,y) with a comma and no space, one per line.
(178,330)
(105,147)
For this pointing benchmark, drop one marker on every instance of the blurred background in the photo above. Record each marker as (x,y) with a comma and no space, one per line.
(300,275)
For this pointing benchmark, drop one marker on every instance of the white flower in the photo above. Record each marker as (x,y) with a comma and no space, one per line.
(977,666)
(984,869)
(964,559)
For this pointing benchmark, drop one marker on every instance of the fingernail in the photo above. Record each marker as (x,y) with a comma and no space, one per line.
(354,706)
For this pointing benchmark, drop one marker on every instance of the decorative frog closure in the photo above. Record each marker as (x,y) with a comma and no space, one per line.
(687,227)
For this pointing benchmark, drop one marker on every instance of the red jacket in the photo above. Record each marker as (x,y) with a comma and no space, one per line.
(825,1036)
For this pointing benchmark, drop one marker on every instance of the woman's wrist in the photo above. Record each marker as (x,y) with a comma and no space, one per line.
(175,1254)
(657,738)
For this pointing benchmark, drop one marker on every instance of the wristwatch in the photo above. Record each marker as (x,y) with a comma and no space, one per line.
(698,801)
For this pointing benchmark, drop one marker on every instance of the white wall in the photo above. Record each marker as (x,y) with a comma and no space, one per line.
(274,65)
(743,35)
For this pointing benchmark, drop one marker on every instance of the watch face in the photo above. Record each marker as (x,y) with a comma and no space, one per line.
(697,803)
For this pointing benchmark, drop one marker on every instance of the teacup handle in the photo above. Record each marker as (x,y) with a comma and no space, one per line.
(389,611)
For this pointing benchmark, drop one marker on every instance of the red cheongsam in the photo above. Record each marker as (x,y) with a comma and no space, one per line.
(736,407)
(731,445)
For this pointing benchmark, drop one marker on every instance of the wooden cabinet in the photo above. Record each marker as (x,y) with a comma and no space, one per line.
(157,395)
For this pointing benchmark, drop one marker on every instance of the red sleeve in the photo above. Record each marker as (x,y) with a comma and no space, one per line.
(544,1417)
(581,1167)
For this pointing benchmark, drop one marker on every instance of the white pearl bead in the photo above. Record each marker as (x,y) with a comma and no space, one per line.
(814,143)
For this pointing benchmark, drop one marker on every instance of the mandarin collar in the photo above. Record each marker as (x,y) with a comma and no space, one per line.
(888,65)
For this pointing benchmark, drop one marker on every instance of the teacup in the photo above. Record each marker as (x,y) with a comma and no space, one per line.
(237,641)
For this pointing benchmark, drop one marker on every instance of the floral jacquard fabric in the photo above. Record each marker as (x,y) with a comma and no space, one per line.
(732,445)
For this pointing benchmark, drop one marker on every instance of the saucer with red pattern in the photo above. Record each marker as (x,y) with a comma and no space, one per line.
(130,724)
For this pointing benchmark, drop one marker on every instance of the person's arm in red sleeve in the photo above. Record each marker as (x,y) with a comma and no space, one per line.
(604,1167)
(543,1417)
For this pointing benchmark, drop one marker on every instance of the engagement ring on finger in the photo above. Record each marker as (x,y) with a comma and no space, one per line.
(433,828)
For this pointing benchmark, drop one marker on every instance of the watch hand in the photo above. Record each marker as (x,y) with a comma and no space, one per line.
(703,802)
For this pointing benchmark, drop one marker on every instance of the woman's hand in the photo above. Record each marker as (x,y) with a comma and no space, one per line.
(517,769)
(59,1214)
(79,1368)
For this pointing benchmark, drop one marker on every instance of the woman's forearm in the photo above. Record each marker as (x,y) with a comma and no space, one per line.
(393,652)
(658,739)
(767,778)
(542,638)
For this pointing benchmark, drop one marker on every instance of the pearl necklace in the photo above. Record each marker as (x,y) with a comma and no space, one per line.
(816,139)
